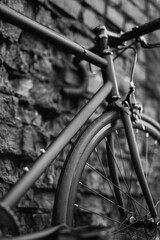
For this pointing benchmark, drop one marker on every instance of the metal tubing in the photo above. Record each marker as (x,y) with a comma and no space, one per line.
(56,147)
(46,234)
(109,74)
(114,175)
(49,35)
(151,121)
(136,161)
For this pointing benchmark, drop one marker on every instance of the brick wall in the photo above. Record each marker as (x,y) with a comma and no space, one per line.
(33,73)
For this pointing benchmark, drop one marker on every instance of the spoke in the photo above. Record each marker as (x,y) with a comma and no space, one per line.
(102,215)
(105,174)
(99,214)
(129,193)
(146,159)
(134,203)
(156,148)
(157,205)
(132,173)
(133,228)
(99,159)
(152,157)
(119,146)
(103,197)
(126,183)
(116,162)
(122,224)
(127,187)
(115,186)
(129,226)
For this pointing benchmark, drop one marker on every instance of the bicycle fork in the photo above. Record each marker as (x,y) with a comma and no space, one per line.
(109,73)
(136,161)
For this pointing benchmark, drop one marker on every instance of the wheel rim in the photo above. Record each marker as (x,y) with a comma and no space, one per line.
(99,206)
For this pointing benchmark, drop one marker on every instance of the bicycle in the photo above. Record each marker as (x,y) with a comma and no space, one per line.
(129,191)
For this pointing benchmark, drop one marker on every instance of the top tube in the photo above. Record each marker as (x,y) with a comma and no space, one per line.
(49,35)
(23,22)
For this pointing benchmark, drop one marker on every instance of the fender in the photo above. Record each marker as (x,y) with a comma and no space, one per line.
(151,121)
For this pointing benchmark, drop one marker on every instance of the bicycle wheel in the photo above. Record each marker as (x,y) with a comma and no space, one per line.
(86,192)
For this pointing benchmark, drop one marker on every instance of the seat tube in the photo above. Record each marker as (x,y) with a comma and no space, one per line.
(137,161)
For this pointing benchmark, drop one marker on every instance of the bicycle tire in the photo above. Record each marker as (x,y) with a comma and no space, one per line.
(81,169)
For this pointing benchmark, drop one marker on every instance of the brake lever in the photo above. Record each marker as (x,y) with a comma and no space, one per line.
(145,44)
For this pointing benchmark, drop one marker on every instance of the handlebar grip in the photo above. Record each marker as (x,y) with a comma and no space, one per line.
(141,30)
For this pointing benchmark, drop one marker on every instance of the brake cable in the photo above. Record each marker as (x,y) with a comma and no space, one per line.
(130,100)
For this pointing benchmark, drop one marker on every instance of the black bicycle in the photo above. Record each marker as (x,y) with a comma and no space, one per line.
(120,148)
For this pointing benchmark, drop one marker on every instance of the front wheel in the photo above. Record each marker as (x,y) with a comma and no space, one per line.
(87,193)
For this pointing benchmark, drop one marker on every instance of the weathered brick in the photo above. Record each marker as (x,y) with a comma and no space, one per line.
(99,6)
(28,114)
(140,4)
(31,43)
(91,19)
(157,3)
(33,141)
(95,81)
(14,58)
(43,64)
(156,36)
(114,3)
(128,26)
(22,86)
(133,12)
(150,109)
(8,171)
(3,76)
(9,31)
(153,11)
(82,40)
(49,178)
(47,99)
(47,20)
(8,108)
(10,139)
(71,7)
(115,17)
(141,56)
(18,5)
(140,72)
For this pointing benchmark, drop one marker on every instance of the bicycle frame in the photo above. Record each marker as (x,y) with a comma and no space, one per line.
(109,87)
(65,136)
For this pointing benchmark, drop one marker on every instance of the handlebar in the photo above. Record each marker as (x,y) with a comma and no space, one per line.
(141,30)
(136,32)
(115,39)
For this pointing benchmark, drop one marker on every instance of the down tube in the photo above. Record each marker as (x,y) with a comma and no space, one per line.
(136,161)
(21,187)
